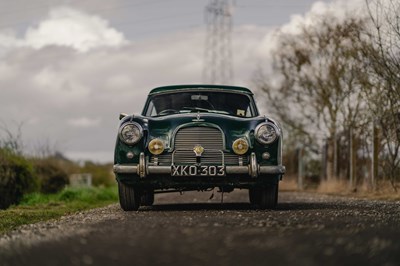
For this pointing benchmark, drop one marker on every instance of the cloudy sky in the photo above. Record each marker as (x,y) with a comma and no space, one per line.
(68,68)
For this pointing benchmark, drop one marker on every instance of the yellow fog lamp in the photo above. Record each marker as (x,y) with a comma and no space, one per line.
(240,146)
(156,146)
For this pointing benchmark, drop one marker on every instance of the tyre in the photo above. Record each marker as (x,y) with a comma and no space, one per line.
(264,198)
(255,196)
(269,197)
(147,198)
(129,197)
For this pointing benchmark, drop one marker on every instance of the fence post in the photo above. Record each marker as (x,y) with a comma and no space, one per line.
(351,158)
(300,170)
(375,154)
(324,159)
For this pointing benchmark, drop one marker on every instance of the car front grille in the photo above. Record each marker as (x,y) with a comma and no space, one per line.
(211,139)
(207,137)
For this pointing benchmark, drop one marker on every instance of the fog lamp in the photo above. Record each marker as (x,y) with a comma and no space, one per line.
(156,146)
(240,146)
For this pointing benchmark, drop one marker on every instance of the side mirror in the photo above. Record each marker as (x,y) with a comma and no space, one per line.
(122,115)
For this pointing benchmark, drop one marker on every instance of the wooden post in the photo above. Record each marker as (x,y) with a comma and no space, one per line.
(324,160)
(375,154)
(335,158)
(300,166)
(351,158)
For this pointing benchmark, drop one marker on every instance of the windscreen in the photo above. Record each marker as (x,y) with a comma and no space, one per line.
(233,104)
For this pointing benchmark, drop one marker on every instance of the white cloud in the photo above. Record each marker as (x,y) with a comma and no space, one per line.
(7,71)
(65,26)
(52,84)
(84,122)
(339,9)
(119,82)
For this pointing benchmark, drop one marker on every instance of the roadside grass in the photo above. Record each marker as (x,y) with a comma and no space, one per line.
(38,207)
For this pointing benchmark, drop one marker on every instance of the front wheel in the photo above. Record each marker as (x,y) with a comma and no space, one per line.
(129,197)
(264,198)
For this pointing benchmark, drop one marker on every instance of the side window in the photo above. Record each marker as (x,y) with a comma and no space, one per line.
(151,111)
(248,112)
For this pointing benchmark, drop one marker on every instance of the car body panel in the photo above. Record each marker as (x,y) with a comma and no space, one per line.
(179,88)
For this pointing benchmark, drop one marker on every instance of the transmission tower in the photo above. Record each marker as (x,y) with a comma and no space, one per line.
(217,67)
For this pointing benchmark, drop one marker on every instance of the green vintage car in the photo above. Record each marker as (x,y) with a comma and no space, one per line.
(197,138)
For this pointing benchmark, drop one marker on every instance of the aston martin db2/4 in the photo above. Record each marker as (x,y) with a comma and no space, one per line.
(197,138)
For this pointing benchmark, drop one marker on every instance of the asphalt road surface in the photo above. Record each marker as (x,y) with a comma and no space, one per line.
(306,229)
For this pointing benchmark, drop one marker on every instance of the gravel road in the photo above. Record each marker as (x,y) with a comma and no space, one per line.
(306,229)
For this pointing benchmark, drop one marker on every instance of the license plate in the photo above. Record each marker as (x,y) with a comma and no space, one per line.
(197,170)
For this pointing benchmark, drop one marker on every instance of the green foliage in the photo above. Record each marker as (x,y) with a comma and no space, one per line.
(83,194)
(52,176)
(16,178)
(87,194)
(38,207)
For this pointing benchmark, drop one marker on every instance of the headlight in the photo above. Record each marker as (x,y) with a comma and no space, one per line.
(156,146)
(240,146)
(130,133)
(266,133)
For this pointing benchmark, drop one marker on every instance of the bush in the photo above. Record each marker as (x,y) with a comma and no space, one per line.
(102,173)
(16,178)
(52,176)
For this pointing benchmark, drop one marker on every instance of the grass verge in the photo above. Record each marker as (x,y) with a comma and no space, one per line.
(38,207)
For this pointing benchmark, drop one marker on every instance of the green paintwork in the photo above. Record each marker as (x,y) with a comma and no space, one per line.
(164,127)
(175,88)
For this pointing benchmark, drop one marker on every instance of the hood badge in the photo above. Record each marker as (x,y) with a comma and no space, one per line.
(198,118)
(198,150)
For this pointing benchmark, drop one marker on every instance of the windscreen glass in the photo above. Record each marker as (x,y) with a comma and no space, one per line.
(233,104)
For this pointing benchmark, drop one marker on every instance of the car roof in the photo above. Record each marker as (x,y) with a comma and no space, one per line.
(173,88)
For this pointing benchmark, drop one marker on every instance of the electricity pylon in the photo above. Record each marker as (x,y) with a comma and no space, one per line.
(218,67)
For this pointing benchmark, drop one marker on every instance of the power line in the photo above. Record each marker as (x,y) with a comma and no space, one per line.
(187,27)
(269,6)
(157,19)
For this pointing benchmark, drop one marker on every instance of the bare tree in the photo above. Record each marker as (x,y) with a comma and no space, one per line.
(319,93)
(384,97)
(11,141)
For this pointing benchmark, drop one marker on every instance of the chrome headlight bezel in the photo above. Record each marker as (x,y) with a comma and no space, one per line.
(266,126)
(139,135)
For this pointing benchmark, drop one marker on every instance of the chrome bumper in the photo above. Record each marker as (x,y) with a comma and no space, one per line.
(142,169)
